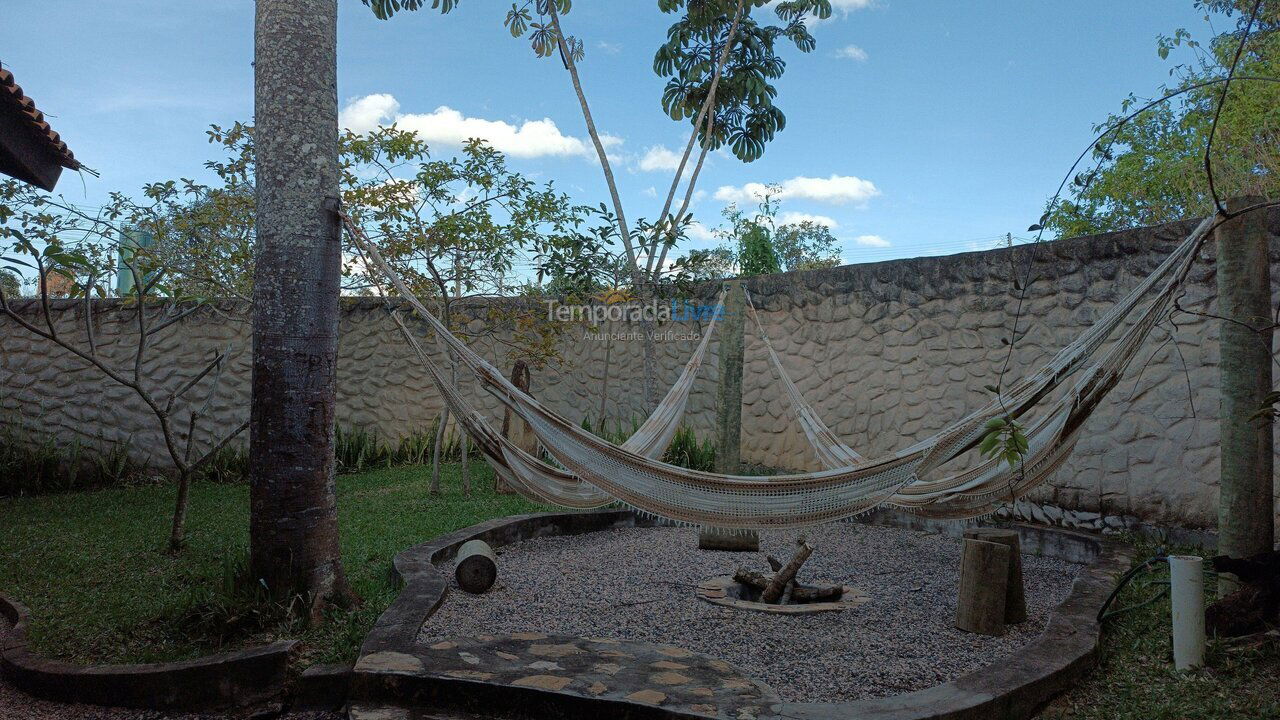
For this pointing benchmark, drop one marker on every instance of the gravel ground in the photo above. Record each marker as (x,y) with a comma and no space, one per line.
(638,584)
(17,705)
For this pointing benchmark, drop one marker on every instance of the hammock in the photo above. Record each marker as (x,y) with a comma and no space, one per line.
(904,478)
(982,489)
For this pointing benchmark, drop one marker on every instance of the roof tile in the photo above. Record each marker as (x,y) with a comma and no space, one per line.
(11,91)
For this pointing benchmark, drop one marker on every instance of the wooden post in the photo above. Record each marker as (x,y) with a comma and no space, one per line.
(1015,598)
(984,575)
(1246,505)
(729,416)
(477,567)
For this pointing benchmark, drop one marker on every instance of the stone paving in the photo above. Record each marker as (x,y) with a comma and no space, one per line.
(640,673)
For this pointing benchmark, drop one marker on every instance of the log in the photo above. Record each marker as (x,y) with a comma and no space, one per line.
(787,574)
(477,567)
(757,580)
(984,577)
(816,593)
(1015,599)
(799,593)
(711,538)
(774,563)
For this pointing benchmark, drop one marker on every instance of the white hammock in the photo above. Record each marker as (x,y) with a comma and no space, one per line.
(905,477)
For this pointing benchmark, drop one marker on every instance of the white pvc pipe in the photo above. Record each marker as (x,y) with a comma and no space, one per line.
(1186,590)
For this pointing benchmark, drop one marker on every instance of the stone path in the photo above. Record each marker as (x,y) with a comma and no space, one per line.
(639,673)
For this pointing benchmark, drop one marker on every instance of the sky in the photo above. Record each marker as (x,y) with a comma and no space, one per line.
(916,127)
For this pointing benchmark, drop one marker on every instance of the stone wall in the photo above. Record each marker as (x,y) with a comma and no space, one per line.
(888,353)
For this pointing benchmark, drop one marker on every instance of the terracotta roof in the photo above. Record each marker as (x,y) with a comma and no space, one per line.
(11,92)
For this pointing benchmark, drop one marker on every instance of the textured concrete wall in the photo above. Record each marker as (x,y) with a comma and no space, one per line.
(888,353)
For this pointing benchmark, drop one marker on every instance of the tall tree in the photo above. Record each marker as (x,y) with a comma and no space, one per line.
(1149,169)
(293,525)
(712,39)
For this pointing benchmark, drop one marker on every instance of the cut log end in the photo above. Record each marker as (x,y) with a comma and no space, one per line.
(477,567)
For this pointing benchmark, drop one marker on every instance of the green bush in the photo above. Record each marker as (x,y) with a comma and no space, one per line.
(684,451)
(357,450)
(37,467)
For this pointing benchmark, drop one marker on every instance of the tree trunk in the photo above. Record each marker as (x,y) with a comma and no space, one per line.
(729,392)
(1246,505)
(293,526)
(729,416)
(439,443)
(514,427)
(177,531)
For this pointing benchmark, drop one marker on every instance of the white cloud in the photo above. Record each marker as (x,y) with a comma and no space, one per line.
(446,126)
(852,52)
(839,9)
(871,241)
(659,157)
(609,48)
(795,218)
(365,113)
(698,231)
(835,190)
(651,191)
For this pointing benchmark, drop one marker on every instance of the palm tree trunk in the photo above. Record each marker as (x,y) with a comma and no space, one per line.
(293,525)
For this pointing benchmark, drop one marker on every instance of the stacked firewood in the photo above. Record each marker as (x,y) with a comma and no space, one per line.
(782,588)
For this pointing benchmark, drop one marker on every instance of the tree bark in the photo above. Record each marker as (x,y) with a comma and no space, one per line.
(1015,598)
(729,391)
(439,443)
(293,526)
(786,575)
(984,573)
(514,427)
(1246,505)
(178,531)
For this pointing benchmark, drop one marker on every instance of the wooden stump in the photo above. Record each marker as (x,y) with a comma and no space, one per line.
(1015,599)
(729,540)
(984,577)
(477,568)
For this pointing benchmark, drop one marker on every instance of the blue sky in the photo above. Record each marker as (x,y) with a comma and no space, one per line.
(915,127)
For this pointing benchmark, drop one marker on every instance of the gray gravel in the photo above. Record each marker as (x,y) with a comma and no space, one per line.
(638,584)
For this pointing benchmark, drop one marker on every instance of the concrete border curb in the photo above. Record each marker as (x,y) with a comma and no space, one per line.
(232,679)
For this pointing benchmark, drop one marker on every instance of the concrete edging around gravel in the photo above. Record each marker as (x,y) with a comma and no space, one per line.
(232,679)
(1065,651)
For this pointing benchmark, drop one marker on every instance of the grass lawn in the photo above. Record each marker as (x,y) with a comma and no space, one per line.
(93,568)
(1136,679)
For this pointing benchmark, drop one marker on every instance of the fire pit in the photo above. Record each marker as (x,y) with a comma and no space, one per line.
(780,592)
(725,590)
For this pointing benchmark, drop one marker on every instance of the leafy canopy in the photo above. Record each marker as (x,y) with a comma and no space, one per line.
(1150,169)
(745,116)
